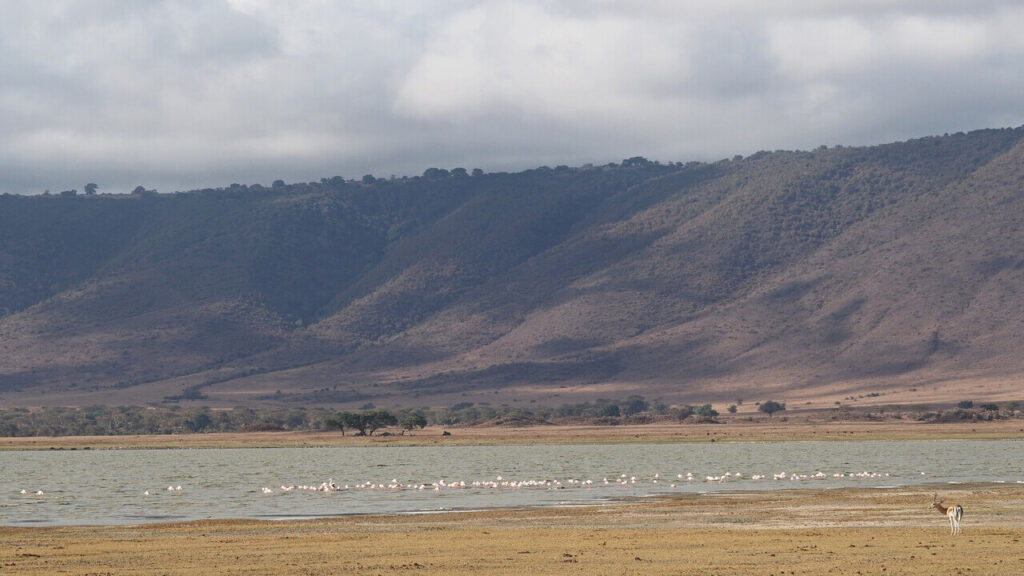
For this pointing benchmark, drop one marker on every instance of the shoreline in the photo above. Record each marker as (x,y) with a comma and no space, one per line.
(804,531)
(728,431)
(589,507)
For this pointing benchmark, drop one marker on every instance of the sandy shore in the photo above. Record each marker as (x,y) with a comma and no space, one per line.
(728,431)
(854,532)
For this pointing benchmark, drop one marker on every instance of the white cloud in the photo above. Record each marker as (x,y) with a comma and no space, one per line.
(204,93)
(531,60)
(808,49)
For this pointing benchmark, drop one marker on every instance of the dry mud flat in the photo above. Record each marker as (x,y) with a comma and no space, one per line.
(857,532)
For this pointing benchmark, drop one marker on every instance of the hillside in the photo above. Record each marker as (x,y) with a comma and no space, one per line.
(887,274)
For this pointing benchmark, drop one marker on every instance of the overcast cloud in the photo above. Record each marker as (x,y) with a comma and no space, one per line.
(183,94)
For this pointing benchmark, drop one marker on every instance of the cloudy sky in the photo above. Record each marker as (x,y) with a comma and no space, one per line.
(182,94)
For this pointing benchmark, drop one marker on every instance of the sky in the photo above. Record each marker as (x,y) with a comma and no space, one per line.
(184,94)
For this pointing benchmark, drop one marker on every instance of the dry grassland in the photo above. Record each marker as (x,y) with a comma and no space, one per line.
(842,532)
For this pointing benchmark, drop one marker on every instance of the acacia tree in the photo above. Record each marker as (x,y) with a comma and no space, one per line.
(707,413)
(413,420)
(634,405)
(355,421)
(380,419)
(365,422)
(335,423)
(770,407)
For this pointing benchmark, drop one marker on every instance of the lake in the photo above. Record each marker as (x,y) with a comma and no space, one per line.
(110,486)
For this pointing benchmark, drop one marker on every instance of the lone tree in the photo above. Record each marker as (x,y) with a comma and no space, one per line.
(335,423)
(90,189)
(380,419)
(355,420)
(412,420)
(771,406)
(365,422)
(707,413)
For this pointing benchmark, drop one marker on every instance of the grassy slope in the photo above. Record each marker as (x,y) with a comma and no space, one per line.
(803,274)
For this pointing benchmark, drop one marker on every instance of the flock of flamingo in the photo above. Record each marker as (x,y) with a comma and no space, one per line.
(954,513)
(501,483)
(622,481)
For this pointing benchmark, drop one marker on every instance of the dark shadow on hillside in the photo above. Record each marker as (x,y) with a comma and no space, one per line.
(518,372)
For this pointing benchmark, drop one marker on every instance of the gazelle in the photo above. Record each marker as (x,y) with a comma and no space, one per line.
(955,513)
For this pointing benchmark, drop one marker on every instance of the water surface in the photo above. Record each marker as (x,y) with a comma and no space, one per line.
(108,486)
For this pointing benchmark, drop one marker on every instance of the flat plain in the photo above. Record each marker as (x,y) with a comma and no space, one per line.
(764,430)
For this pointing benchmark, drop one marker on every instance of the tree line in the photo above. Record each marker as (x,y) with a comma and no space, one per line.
(118,420)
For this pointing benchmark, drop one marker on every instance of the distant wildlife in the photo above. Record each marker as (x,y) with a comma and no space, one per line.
(955,513)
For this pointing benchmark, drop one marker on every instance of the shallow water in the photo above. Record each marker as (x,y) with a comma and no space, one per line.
(108,486)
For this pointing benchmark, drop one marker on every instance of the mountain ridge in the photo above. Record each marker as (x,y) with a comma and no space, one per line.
(890,271)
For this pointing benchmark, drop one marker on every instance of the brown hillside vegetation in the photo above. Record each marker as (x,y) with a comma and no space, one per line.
(890,272)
